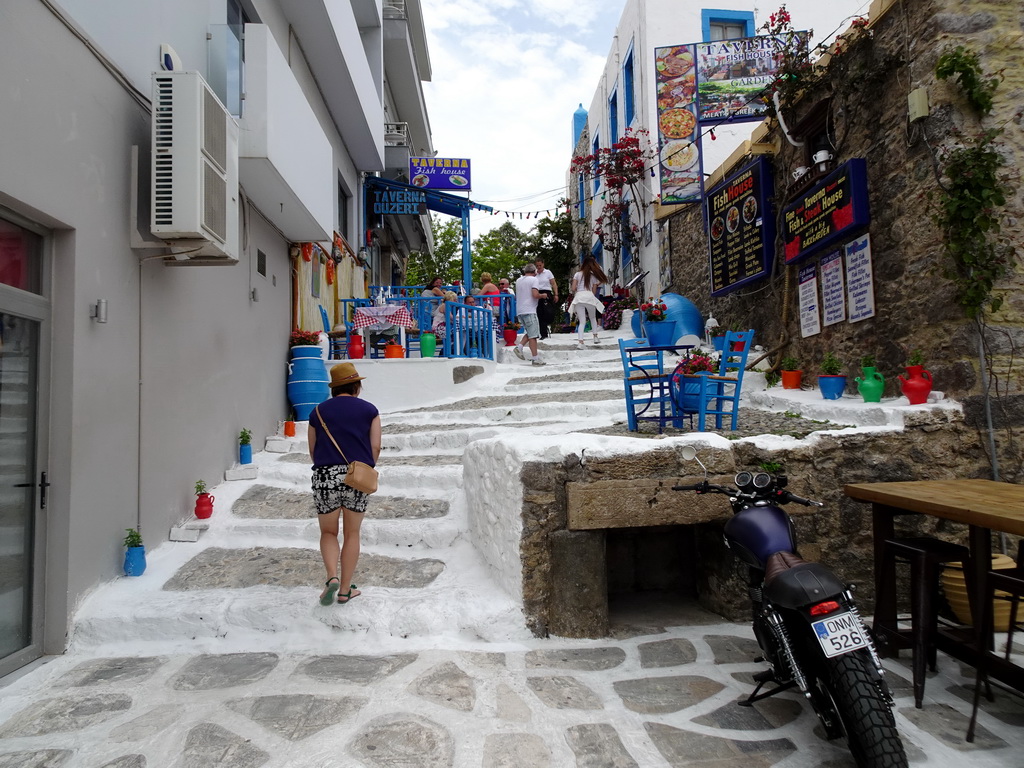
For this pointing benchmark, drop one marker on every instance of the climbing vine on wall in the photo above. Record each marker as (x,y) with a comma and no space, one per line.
(972,198)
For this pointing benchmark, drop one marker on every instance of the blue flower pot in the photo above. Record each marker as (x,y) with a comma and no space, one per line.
(832,387)
(660,334)
(634,324)
(245,454)
(134,561)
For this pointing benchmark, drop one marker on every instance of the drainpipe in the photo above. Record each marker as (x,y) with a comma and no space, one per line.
(782,122)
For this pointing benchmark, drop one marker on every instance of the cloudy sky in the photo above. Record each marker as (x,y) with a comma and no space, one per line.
(508,75)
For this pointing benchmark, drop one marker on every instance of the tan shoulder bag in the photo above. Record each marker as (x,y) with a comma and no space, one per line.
(360,475)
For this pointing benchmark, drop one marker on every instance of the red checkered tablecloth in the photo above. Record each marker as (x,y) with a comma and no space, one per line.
(384,317)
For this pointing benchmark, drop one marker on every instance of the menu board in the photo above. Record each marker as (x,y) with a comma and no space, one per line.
(829,213)
(741,227)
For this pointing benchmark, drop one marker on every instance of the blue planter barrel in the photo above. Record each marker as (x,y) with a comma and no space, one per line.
(634,324)
(661,333)
(683,314)
(307,381)
(245,454)
(134,561)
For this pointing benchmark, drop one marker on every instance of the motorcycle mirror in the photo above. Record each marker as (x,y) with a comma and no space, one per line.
(688,452)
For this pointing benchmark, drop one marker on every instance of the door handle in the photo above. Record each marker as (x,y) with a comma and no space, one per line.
(43,485)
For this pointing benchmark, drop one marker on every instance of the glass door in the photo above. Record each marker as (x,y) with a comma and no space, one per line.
(24,321)
(19,479)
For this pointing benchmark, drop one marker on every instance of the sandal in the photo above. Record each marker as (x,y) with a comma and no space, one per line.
(327,597)
(348,595)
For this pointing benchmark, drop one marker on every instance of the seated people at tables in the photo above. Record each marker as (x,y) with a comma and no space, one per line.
(438,323)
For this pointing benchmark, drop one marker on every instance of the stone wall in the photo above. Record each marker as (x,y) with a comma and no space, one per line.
(865,97)
(563,554)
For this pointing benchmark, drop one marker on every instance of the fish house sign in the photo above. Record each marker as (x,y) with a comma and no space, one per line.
(829,214)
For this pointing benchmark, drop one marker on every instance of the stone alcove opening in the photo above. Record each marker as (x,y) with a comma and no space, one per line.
(652,574)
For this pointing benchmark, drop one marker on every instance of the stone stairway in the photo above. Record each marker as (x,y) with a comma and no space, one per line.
(252,579)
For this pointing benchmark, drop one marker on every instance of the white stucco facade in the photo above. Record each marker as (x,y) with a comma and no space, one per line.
(125,415)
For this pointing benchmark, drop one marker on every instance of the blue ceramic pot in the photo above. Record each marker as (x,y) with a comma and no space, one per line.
(832,387)
(661,333)
(685,391)
(134,561)
(245,454)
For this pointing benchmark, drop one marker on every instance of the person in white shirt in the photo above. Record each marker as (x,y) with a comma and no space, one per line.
(584,301)
(548,287)
(527,297)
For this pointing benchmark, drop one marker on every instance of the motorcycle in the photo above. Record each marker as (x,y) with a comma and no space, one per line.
(806,622)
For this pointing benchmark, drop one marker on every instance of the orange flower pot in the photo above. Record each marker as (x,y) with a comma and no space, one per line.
(791,379)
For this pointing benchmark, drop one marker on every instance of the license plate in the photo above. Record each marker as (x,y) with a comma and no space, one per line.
(840,633)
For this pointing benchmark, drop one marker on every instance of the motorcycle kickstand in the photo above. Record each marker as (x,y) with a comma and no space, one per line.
(761,678)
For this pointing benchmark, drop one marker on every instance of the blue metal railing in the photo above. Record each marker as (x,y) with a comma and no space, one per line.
(469,331)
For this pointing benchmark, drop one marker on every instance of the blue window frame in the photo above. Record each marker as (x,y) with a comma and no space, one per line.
(727,22)
(596,148)
(598,253)
(581,196)
(613,116)
(628,100)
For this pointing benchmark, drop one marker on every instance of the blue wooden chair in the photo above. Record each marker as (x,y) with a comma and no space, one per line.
(719,394)
(645,371)
(337,348)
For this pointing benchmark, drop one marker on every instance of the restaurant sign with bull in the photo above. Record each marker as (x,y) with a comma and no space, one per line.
(829,214)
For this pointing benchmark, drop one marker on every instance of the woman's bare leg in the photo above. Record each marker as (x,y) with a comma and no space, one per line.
(330,551)
(351,522)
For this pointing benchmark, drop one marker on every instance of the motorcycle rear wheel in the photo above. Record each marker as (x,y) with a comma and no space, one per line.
(867,719)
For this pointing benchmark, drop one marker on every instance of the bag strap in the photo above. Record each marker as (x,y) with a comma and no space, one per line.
(322,424)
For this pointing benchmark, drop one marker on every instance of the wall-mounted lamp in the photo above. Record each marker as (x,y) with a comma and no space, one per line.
(98,311)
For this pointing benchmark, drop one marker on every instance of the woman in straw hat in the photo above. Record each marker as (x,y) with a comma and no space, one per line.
(354,424)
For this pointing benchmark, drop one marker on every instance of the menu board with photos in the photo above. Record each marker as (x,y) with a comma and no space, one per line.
(829,213)
(741,227)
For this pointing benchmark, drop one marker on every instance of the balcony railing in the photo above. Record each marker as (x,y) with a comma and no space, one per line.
(394,9)
(396,134)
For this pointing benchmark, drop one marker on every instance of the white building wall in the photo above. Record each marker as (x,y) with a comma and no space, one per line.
(142,406)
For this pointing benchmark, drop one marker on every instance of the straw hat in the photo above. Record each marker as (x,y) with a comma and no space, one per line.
(344,373)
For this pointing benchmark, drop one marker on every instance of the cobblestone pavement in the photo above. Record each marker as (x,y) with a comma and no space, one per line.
(219,655)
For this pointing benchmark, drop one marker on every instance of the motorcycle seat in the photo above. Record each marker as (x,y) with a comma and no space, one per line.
(792,582)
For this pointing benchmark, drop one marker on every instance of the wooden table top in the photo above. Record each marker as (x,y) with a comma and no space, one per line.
(985,503)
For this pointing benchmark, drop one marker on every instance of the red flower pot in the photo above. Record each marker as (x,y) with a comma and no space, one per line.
(510,335)
(791,379)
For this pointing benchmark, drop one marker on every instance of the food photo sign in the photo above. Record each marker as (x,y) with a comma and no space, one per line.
(829,214)
(679,151)
(708,83)
(440,173)
(741,227)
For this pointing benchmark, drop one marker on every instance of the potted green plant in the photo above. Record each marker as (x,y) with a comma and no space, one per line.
(918,383)
(872,384)
(134,553)
(245,446)
(791,373)
(509,332)
(831,382)
(204,501)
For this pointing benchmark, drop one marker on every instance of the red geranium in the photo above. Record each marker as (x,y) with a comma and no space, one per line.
(654,310)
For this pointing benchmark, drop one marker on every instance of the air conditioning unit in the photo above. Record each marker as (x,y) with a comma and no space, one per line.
(194,204)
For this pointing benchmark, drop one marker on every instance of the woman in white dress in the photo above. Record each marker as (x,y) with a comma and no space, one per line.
(584,303)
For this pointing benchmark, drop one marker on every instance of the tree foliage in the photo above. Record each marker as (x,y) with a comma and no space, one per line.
(445,261)
(502,252)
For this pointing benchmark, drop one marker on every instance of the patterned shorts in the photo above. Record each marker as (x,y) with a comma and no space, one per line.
(330,491)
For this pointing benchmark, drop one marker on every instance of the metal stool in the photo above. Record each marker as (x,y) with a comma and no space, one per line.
(1011,582)
(925,556)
